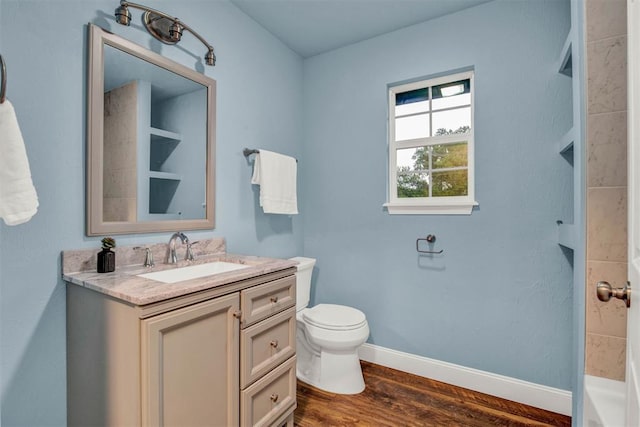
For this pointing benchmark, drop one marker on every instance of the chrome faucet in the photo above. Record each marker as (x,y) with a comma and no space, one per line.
(173,257)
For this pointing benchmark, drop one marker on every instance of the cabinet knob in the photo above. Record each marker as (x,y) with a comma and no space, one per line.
(274,343)
(237,314)
(274,299)
(274,397)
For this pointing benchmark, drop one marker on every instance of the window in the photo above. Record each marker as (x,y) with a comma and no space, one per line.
(431,146)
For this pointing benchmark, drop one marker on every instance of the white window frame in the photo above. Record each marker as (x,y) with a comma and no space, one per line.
(447,205)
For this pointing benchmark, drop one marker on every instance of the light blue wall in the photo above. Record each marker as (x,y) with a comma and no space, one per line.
(499,298)
(259,105)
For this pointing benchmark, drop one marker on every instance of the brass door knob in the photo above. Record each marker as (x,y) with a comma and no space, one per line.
(605,291)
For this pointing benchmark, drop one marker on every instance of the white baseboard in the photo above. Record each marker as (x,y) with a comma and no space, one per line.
(539,396)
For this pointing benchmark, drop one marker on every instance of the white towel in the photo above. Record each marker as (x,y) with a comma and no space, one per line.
(18,198)
(276,175)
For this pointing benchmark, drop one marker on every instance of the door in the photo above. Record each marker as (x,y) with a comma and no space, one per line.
(190,365)
(633,318)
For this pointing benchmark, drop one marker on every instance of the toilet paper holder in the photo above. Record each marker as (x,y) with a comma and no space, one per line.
(431,238)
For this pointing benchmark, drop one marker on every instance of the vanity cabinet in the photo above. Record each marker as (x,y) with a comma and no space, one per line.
(219,357)
(190,365)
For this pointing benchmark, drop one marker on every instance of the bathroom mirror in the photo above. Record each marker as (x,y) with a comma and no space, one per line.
(150,141)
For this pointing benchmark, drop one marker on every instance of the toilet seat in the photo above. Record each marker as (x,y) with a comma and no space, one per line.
(334,317)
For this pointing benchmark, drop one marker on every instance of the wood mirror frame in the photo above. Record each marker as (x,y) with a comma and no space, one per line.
(96,224)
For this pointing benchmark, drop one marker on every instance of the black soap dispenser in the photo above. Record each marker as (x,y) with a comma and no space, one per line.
(106,257)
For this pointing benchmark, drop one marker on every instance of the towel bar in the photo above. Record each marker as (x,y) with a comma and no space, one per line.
(249,151)
(3,88)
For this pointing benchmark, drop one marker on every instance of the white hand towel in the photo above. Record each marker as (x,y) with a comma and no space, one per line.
(18,198)
(276,174)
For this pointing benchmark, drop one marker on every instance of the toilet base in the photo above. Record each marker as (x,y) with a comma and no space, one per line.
(328,358)
(337,372)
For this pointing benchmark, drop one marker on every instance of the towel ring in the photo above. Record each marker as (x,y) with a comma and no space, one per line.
(3,88)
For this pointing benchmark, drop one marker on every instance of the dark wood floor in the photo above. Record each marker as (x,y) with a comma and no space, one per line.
(395,398)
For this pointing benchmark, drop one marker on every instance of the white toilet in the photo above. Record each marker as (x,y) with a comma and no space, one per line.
(327,339)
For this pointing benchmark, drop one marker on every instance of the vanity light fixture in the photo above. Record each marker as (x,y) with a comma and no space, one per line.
(163,27)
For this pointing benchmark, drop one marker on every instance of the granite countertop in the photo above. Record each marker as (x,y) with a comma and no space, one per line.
(125,284)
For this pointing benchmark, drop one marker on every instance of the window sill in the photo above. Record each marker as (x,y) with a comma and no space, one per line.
(441,208)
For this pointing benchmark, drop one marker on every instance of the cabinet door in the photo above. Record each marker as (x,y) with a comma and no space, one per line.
(190,365)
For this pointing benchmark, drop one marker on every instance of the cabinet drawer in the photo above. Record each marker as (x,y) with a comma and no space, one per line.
(262,301)
(270,397)
(267,344)
(287,422)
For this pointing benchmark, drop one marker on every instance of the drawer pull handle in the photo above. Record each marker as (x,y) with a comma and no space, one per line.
(274,299)
(274,343)
(274,397)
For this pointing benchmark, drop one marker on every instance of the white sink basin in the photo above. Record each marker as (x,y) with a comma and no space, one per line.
(192,272)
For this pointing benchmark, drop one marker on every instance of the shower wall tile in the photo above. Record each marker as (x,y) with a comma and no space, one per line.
(607,224)
(607,75)
(120,125)
(606,318)
(607,150)
(119,154)
(606,181)
(605,356)
(121,99)
(119,209)
(120,183)
(606,18)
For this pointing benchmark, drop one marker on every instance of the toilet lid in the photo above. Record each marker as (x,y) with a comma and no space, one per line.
(335,317)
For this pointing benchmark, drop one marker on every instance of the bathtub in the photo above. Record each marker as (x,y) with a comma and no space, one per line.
(603,402)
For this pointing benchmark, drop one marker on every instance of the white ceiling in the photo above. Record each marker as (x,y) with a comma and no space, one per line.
(310,27)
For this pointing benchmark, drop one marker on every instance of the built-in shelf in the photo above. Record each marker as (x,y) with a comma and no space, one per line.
(162,184)
(160,134)
(567,235)
(162,189)
(565,65)
(162,216)
(165,175)
(566,143)
(158,159)
(567,232)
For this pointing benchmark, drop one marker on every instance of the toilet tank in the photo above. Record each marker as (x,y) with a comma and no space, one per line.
(303,281)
